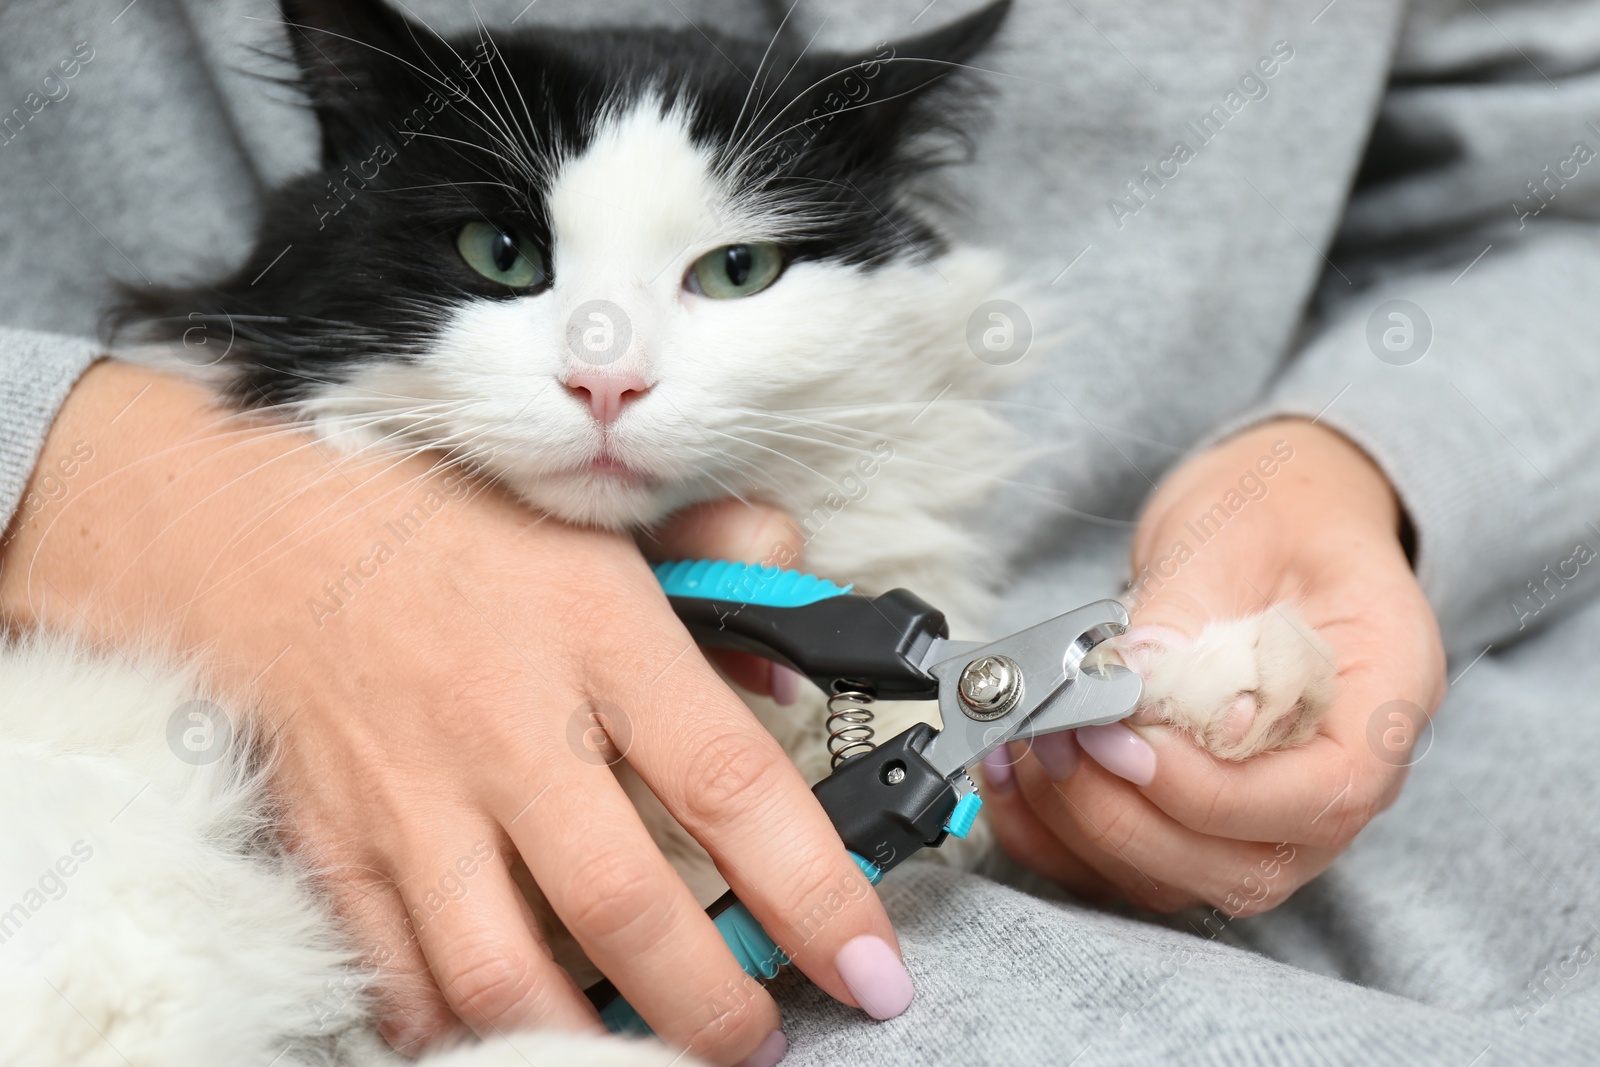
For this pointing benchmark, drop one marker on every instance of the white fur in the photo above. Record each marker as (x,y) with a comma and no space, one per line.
(174,946)
(1240,688)
(142,919)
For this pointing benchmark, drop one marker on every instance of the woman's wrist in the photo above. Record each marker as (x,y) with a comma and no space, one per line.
(43,556)
(121,531)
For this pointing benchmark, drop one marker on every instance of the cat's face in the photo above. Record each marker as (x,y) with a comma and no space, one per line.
(621,271)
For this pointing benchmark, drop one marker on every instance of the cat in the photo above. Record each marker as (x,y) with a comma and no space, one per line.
(619,272)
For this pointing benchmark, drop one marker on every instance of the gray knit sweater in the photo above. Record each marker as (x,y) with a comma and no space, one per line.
(1379,213)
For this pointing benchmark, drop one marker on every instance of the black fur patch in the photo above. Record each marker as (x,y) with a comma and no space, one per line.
(421,135)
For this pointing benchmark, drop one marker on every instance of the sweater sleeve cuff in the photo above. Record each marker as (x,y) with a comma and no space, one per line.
(37,371)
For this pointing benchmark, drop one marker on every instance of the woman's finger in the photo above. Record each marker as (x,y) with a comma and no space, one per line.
(1157,862)
(745,670)
(1028,840)
(728,529)
(732,787)
(636,920)
(414,1014)
(1319,794)
(483,944)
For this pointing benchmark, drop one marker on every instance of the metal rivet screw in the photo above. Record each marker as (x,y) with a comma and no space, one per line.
(990,687)
(892,773)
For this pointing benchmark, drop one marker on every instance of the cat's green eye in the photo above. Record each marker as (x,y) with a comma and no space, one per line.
(735,270)
(501,254)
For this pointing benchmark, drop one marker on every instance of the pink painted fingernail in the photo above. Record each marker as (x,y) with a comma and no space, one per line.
(876,977)
(1057,753)
(769,1052)
(998,772)
(785,685)
(1120,751)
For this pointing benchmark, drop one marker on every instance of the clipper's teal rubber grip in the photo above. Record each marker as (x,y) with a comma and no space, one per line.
(960,822)
(621,1019)
(756,952)
(868,868)
(744,583)
(758,955)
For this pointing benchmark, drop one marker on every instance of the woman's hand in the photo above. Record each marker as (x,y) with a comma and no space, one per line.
(1152,818)
(428,654)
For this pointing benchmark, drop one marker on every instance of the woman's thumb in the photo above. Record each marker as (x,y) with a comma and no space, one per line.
(729,529)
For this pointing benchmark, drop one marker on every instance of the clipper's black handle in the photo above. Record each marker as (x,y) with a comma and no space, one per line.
(890,802)
(876,640)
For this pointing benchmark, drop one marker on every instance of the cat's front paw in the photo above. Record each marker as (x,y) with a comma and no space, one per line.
(1241,687)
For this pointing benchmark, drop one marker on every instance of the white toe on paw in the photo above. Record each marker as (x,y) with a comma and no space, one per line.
(1238,716)
(1242,687)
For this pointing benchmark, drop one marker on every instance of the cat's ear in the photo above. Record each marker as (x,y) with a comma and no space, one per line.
(865,105)
(353,55)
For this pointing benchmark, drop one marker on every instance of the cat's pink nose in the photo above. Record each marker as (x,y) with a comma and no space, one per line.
(606,394)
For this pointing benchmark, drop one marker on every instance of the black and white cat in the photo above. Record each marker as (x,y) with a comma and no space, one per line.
(621,272)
